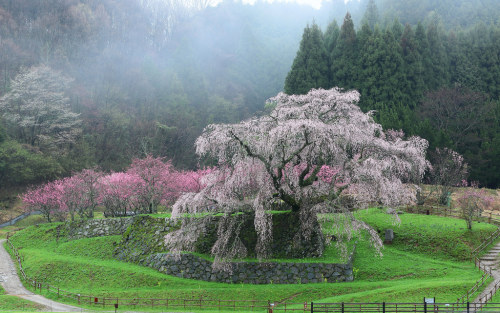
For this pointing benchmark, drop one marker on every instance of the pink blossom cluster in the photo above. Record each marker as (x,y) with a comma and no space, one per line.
(472,202)
(145,185)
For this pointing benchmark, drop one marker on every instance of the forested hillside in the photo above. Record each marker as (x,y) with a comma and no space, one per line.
(440,84)
(139,76)
(123,79)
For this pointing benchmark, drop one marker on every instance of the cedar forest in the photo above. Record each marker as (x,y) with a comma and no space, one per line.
(128,79)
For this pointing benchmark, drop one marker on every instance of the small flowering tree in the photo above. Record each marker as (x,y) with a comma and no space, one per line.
(72,194)
(80,193)
(118,193)
(46,199)
(309,154)
(88,179)
(191,181)
(472,201)
(157,182)
(147,183)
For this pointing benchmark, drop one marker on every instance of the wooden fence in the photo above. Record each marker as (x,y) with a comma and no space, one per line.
(485,217)
(386,307)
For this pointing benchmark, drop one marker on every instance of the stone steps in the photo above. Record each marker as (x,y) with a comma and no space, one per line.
(490,259)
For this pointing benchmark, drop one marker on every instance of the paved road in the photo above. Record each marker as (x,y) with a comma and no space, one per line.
(12,285)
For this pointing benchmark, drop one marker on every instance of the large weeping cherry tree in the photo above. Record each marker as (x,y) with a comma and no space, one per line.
(313,153)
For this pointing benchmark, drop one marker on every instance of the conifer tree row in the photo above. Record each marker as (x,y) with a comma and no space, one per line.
(405,72)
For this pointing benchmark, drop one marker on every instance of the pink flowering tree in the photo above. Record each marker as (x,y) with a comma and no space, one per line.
(472,201)
(88,180)
(157,182)
(191,181)
(309,154)
(118,193)
(47,200)
(71,194)
(80,193)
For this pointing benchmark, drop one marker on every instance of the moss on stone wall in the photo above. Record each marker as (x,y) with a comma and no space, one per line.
(143,237)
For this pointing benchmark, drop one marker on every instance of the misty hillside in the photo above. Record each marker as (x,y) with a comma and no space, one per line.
(453,13)
(146,76)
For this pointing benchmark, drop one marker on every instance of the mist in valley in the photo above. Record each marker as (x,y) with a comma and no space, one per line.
(146,76)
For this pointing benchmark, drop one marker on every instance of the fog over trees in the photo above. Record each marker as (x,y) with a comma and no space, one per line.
(144,77)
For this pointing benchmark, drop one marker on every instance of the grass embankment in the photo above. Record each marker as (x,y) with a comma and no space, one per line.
(427,258)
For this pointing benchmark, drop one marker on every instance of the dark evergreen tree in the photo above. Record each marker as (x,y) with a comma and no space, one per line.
(371,16)
(310,67)
(464,69)
(344,56)
(458,72)
(382,77)
(413,85)
(437,73)
(422,47)
(331,36)
(397,29)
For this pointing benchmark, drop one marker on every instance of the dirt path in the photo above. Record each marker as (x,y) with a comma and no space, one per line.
(12,285)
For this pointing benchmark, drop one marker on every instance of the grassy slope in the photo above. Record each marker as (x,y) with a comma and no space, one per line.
(422,261)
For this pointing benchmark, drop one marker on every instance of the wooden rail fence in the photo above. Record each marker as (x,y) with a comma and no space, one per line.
(386,307)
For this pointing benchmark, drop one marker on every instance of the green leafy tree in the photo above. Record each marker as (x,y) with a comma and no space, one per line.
(310,67)
(21,166)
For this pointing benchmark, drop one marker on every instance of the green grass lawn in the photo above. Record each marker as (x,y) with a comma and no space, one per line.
(427,258)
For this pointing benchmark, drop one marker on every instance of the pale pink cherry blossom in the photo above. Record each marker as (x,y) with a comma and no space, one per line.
(309,154)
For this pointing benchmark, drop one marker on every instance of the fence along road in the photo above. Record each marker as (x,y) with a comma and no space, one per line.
(12,285)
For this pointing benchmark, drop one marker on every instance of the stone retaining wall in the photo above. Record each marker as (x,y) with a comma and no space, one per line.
(194,267)
(143,243)
(96,227)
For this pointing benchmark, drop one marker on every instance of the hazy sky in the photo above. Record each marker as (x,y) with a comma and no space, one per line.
(314,3)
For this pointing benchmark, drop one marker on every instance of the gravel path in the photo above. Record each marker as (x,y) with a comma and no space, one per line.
(12,285)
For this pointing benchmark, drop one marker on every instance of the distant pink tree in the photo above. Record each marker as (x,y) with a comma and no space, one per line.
(47,200)
(89,179)
(191,181)
(472,201)
(158,182)
(309,153)
(118,193)
(72,194)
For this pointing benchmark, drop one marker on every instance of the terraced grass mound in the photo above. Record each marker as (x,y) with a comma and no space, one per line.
(427,258)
